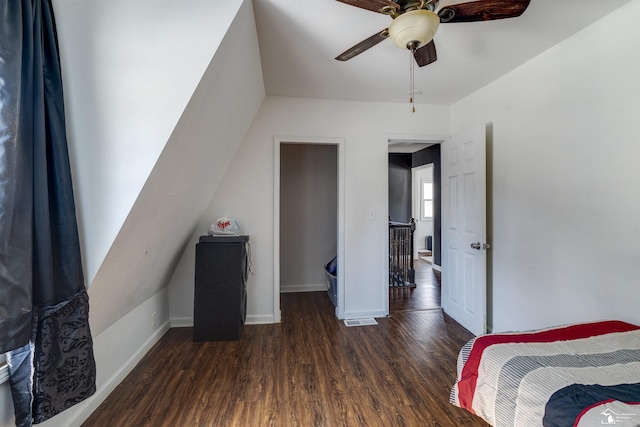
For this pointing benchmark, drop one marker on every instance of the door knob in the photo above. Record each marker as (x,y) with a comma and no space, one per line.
(479,246)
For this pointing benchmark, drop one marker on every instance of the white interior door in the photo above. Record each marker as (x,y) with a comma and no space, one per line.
(464,255)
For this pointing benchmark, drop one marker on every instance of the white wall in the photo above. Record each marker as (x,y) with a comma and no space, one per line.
(179,188)
(565,174)
(158,99)
(308,215)
(246,193)
(129,70)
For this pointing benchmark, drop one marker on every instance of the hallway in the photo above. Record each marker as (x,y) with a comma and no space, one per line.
(426,294)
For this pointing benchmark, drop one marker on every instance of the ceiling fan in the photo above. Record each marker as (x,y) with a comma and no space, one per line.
(415,22)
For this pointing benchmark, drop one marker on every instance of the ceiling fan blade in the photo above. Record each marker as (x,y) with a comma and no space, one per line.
(363,45)
(372,5)
(426,54)
(483,10)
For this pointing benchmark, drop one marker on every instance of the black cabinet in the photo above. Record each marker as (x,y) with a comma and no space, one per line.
(220,303)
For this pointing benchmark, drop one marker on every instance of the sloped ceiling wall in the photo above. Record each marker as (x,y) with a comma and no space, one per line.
(129,70)
(170,170)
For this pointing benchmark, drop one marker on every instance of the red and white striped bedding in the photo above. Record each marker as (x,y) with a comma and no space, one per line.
(578,375)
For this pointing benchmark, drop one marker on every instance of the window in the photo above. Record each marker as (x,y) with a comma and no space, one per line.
(426,195)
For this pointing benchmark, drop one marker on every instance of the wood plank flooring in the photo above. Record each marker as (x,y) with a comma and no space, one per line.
(309,370)
(426,294)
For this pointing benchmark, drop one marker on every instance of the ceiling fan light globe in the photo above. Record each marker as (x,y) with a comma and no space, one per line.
(416,27)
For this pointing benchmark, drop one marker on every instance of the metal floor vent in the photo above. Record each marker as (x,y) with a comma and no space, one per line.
(360,322)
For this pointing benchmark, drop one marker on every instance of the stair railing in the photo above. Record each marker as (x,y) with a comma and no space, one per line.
(401,271)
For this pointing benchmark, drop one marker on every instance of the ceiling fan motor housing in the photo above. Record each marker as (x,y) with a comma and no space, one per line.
(414,29)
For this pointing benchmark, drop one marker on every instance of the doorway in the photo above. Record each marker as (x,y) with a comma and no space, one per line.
(414,170)
(308,216)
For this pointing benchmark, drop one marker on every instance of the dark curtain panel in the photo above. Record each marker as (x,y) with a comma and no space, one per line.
(43,302)
(16,199)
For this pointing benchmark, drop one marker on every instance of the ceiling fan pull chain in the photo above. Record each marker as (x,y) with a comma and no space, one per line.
(411,80)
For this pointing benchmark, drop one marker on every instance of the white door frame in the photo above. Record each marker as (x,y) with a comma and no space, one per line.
(277,142)
(416,201)
(401,138)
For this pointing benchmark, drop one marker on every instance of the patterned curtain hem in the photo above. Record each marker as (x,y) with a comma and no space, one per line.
(64,365)
(63,372)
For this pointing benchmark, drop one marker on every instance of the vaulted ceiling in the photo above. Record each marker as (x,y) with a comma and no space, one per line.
(300,39)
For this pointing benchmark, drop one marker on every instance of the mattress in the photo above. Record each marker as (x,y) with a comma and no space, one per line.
(584,374)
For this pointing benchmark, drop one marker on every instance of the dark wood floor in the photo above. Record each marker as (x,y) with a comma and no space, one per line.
(426,294)
(309,370)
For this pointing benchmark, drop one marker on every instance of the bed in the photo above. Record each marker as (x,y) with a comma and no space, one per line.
(585,374)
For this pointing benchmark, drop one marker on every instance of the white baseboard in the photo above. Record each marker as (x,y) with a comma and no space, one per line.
(303,288)
(187,322)
(182,322)
(131,363)
(436,267)
(78,414)
(260,320)
(364,314)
